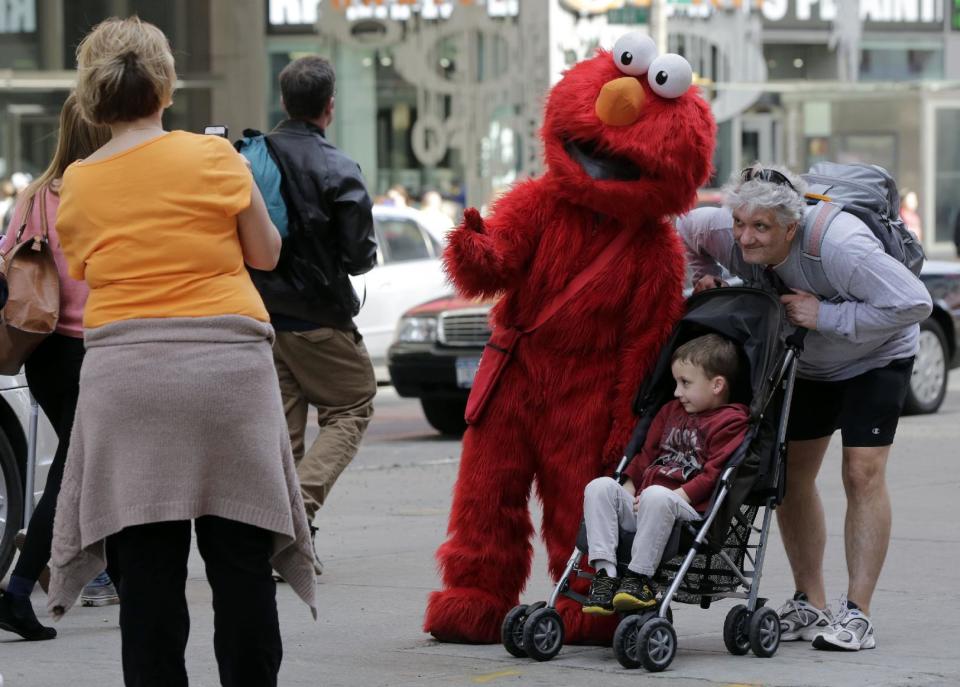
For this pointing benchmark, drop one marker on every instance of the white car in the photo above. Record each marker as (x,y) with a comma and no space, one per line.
(408,272)
(14,440)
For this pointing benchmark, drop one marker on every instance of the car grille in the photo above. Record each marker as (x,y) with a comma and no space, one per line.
(464,327)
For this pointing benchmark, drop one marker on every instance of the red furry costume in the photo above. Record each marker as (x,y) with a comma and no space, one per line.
(562,412)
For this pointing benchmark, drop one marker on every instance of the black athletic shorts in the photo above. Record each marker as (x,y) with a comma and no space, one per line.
(865,408)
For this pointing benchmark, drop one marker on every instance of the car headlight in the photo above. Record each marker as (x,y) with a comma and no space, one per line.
(417,329)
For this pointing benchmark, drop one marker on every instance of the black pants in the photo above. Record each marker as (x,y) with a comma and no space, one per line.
(155,623)
(53,376)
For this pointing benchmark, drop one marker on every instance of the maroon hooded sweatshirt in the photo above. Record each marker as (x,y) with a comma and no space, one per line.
(689,450)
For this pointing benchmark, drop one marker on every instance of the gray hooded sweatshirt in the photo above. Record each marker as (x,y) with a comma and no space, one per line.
(870,322)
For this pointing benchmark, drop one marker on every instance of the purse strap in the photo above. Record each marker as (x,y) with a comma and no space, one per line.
(44,232)
(23,223)
(576,284)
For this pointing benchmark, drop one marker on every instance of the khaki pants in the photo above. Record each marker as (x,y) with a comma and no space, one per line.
(330,370)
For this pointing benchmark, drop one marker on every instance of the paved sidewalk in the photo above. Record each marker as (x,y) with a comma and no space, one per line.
(386,517)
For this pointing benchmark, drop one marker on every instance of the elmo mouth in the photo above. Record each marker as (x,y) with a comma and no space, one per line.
(602,166)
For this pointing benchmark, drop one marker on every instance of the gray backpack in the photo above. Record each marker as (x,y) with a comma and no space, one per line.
(867,192)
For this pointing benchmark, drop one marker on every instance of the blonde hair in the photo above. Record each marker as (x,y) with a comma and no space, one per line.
(125,71)
(76,139)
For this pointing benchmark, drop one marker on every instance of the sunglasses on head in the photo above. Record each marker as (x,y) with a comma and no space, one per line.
(769,175)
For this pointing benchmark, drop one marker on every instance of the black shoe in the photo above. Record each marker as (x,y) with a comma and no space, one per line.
(17,616)
(600,597)
(636,593)
(317,563)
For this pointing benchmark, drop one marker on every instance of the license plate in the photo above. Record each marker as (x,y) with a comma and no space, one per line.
(466,371)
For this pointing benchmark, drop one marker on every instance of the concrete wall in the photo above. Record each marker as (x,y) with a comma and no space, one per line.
(238,59)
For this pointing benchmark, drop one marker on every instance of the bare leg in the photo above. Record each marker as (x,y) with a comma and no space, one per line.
(801,519)
(866,531)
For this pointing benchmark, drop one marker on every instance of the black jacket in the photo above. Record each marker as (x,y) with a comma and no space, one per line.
(331,230)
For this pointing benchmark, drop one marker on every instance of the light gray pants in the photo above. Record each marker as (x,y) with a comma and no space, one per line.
(607,507)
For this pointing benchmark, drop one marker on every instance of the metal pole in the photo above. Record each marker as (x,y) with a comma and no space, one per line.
(31,460)
(660,25)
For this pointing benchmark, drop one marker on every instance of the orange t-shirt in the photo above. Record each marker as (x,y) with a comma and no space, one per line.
(153,231)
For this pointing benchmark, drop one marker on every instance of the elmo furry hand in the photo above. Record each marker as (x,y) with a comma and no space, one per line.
(628,142)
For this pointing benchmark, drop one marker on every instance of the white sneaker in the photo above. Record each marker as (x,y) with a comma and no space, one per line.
(851,631)
(800,619)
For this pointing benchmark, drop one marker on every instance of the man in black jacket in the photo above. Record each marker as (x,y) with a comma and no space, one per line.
(319,354)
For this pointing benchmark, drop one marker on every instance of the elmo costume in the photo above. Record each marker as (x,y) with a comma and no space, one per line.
(627,144)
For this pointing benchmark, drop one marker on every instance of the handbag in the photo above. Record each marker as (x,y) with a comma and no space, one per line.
(503,341)
(33,304)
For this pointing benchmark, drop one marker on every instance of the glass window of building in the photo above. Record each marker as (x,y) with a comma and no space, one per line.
(41,51)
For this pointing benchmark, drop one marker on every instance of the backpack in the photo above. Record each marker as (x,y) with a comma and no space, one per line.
(306,262)
(867,192)
(266,174)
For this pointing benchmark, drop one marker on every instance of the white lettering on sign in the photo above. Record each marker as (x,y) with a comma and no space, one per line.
(293,12)
(18,16)
(878,11)
(403,10)
(775,10)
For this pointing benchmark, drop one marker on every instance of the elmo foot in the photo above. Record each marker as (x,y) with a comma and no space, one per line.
(466,615)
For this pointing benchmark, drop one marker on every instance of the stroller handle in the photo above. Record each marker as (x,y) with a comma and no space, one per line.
(795,340)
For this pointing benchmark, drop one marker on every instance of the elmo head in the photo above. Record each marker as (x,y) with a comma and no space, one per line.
(625,133)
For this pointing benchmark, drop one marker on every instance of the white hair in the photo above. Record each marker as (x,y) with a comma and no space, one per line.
(787,203)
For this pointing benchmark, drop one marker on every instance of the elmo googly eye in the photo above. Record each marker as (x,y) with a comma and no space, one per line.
(670,76)
(633,52)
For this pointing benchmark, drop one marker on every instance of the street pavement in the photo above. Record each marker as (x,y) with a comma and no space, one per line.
(388,513)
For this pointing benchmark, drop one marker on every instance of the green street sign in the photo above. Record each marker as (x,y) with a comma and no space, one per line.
(635,15)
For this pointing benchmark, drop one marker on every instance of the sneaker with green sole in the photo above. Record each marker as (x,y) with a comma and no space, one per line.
(600,597)
(636,593)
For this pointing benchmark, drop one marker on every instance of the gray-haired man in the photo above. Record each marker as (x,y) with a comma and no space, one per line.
(853,376)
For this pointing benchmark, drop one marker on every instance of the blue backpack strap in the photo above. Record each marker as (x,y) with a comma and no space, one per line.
(813,231)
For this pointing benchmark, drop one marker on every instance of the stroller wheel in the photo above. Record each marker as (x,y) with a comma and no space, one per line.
(625,641)
(765,632)
(511,632)
(656,644)
(736,630)
(543,634)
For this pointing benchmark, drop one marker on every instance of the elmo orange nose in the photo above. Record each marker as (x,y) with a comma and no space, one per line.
(620,101)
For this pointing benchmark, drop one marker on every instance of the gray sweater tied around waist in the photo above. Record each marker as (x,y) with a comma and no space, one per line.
(177,418)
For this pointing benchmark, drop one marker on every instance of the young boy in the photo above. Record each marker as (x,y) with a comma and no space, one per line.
(671,478)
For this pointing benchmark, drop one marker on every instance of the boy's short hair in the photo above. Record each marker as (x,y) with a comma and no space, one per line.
(715,354)
(125,71)
(307,84)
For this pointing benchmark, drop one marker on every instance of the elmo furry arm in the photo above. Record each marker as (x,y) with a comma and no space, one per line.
(650,318)
(485,257)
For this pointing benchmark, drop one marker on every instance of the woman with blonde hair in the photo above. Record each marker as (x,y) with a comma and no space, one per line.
(53,369)
(180,417)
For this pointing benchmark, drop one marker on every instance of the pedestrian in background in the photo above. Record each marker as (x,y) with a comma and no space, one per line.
(319,354)
(910,213)
(53,373)
(179,418)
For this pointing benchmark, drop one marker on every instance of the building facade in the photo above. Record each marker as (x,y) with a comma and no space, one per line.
(217,44)
(448,94)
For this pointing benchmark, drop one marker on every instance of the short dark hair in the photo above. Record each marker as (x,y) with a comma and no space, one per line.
(307,86)
(714,354)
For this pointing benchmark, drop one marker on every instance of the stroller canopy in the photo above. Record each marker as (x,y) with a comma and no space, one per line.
(750,317)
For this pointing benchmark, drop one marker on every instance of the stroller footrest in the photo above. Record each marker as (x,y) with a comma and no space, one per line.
(579,598)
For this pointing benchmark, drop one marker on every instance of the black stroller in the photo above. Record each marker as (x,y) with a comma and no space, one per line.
(704,560)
